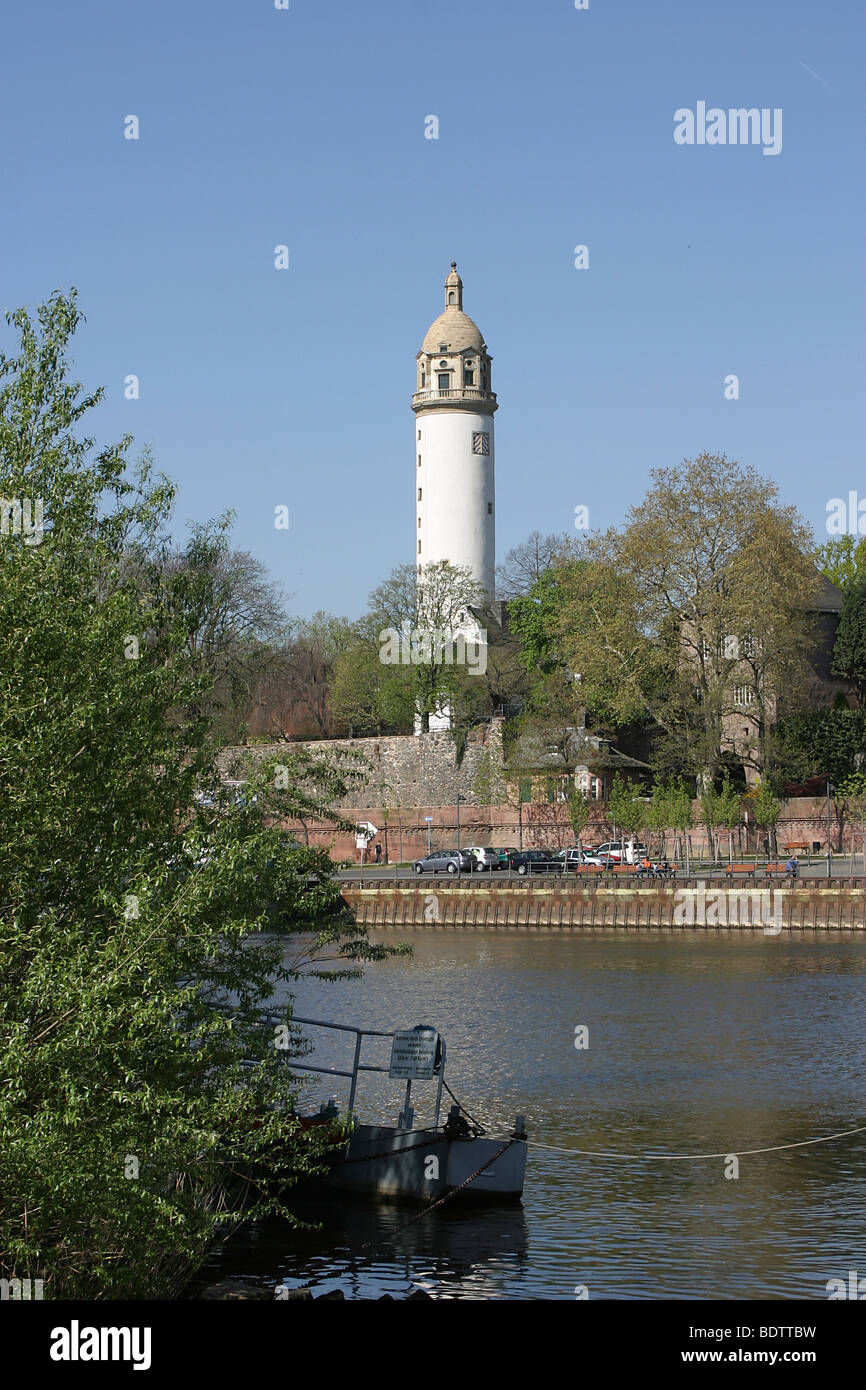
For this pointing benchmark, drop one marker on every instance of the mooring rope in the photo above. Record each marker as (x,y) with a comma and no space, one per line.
(728,1153)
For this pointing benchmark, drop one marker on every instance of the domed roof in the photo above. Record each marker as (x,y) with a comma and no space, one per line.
(454,328)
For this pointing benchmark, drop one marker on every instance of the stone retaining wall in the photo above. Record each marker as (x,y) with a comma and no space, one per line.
(763,906)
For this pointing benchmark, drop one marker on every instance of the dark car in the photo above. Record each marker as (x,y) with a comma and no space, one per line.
(444,861)
(535,861)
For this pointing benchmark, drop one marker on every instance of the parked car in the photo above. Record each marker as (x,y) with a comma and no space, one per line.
(577,857)
(485,859)
(535,861)
(445,861)
(614,850)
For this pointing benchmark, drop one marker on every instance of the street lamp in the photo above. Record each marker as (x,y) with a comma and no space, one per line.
(460,797)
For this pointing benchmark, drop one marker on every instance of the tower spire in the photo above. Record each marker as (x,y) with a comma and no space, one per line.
(453,289)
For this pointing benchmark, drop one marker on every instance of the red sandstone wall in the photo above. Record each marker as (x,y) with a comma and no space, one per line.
(803,819)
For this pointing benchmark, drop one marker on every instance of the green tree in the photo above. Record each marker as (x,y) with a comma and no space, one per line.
(672,808)
(366,695)
(767,808)
(578,812)
(849,651)
(721,808)
(149,914)
(854,791)
(421,614)
(826,743)
(698,609)
(626,806)
(841,559)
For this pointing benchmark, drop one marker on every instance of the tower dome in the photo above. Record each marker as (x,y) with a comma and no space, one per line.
(453,331)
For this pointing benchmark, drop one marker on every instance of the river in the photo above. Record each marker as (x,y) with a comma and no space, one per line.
(697,1044)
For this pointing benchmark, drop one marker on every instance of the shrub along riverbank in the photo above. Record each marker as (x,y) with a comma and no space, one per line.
(138,894)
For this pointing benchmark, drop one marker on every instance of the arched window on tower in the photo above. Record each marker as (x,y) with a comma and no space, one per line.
(451,297)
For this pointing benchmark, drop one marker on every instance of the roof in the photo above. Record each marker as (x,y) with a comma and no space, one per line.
(455,329)
(827,598)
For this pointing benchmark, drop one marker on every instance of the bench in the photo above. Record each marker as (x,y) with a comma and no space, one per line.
(585,869)
(731,870)
(620,869)
(763,871)
(802,845)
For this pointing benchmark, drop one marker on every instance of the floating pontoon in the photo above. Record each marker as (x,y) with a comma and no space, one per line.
(419,1162)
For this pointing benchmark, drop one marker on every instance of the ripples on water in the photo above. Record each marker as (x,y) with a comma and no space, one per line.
(697,1044)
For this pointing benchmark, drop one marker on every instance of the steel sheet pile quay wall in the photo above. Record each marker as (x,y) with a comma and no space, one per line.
(551,905)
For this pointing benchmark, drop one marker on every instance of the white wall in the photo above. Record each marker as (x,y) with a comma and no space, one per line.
(457,486)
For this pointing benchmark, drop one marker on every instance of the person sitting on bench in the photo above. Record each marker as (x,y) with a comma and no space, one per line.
(793,867)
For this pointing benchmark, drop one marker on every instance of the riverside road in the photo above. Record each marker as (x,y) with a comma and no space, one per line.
(371,873)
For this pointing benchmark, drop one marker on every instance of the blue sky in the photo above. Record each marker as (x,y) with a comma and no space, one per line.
(305,127)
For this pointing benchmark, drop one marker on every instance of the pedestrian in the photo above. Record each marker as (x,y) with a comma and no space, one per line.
(378,854)
(793,866)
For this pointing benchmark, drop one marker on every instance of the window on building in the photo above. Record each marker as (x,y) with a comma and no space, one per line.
(468,376)
(423,384)
(524,788)
(419,460)
(451,297)
(489,508)
(481,442)
(443,381)
(743,694)
(419,547)
(419,494)
(419,523)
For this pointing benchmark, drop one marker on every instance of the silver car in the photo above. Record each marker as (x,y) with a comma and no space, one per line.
(444,861)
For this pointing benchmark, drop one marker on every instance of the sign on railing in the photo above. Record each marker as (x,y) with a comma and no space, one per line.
(413,1054)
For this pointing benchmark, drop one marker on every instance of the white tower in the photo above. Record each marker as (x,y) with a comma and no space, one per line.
(454,406)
